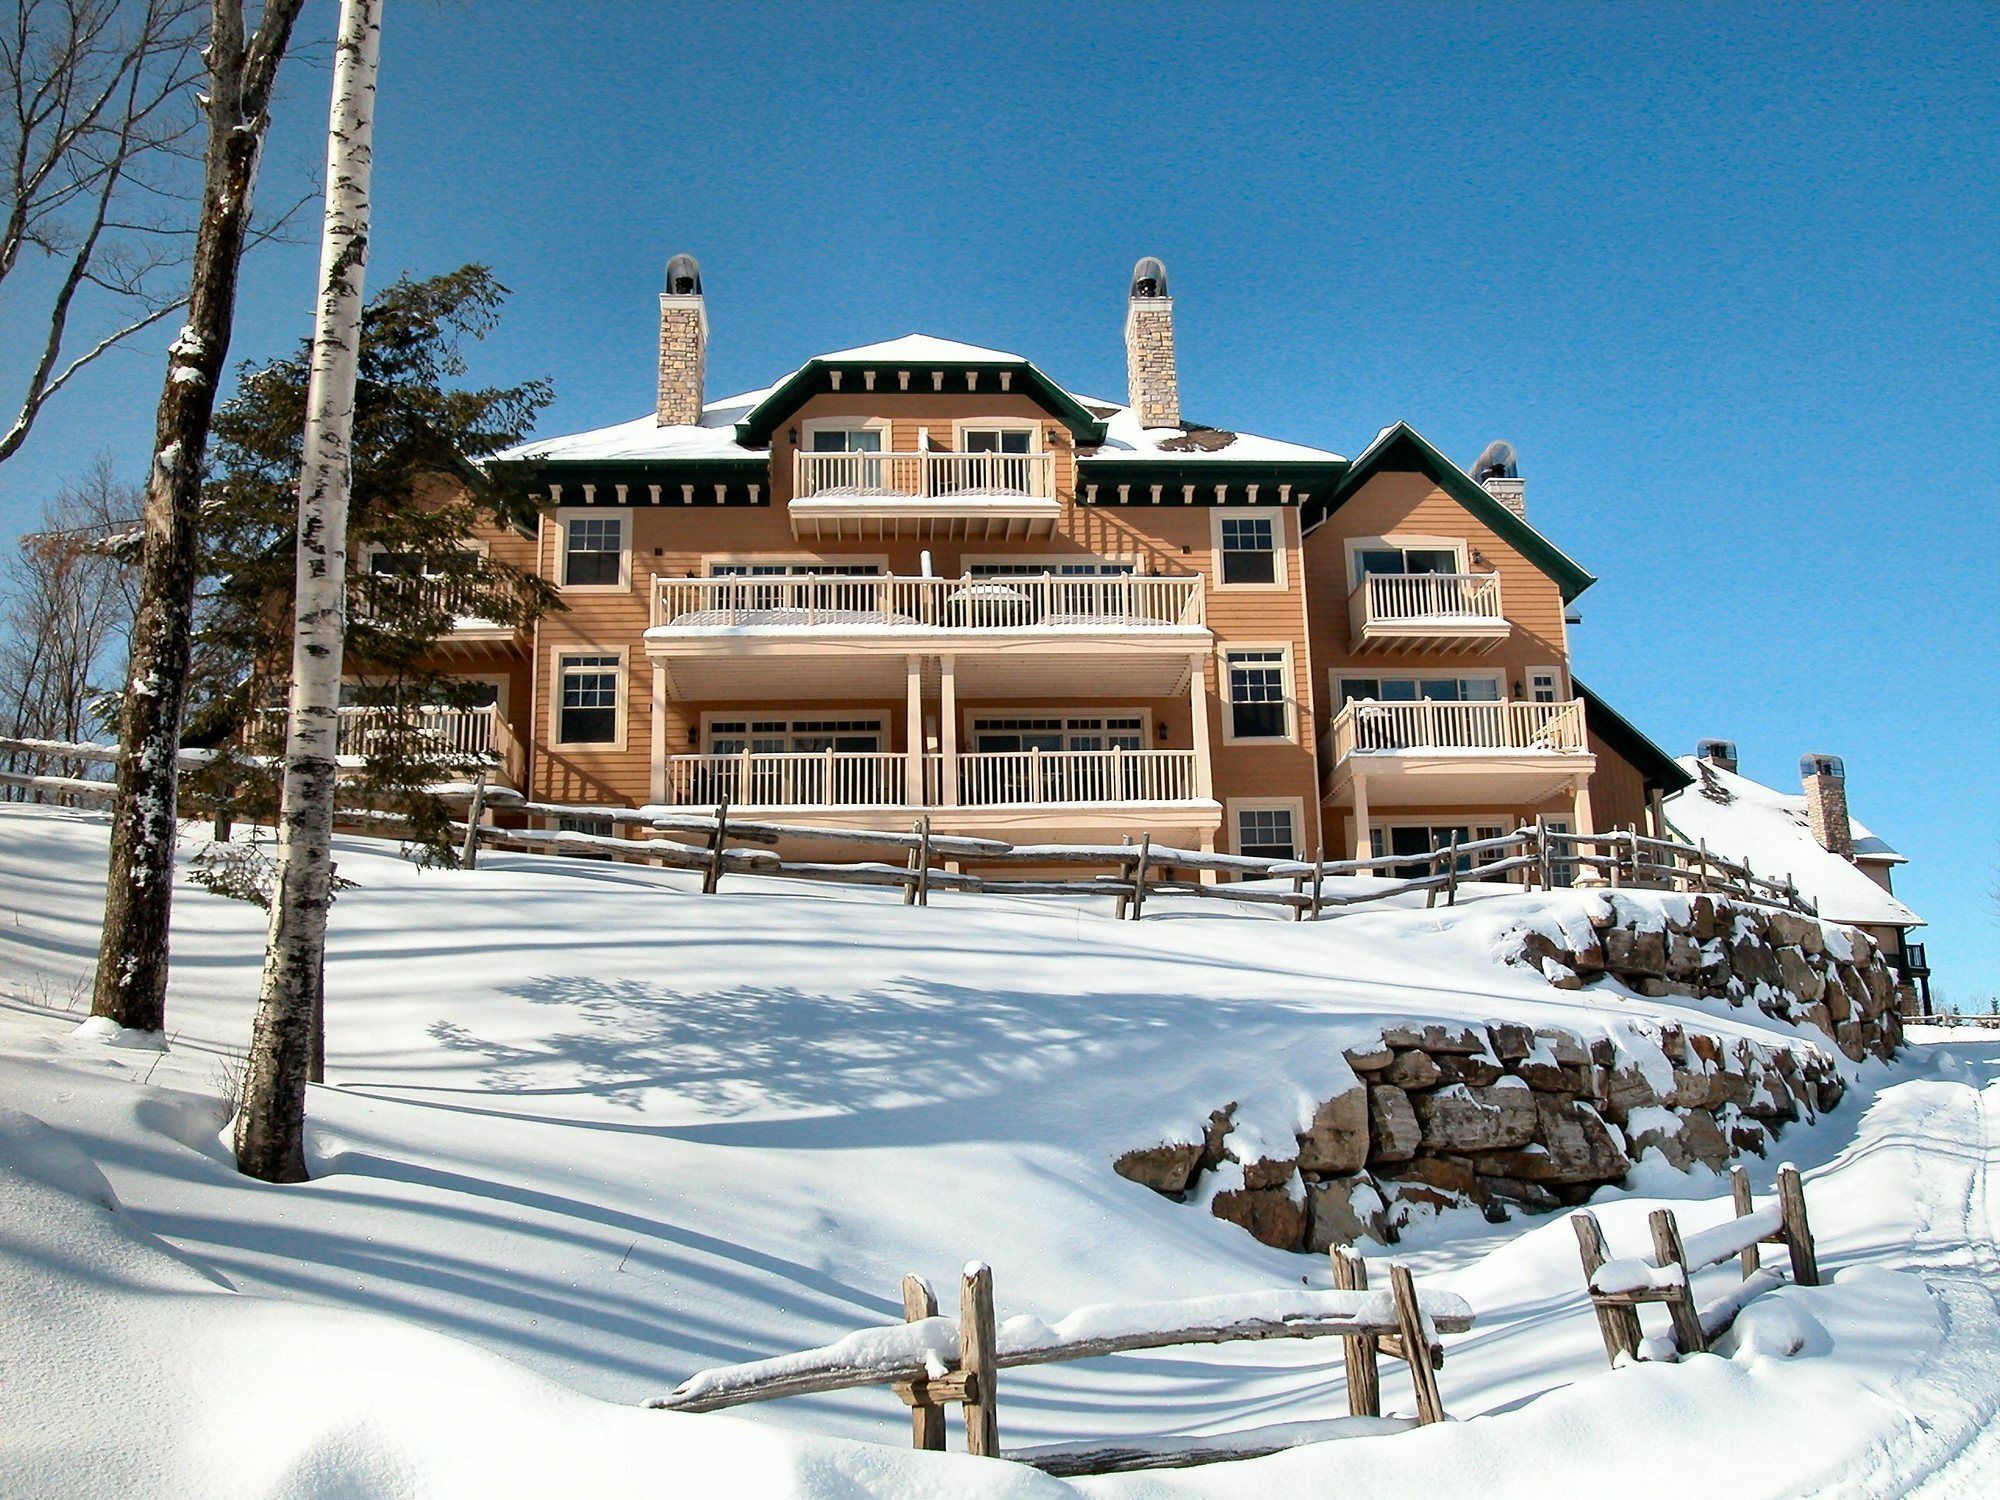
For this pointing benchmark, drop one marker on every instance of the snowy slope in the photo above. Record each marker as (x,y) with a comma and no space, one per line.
(588,1132)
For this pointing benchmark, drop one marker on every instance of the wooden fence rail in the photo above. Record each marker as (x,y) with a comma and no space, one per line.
(1619,1288)
(931,1361)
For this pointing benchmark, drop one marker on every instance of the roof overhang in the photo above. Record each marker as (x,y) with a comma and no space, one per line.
(821,377)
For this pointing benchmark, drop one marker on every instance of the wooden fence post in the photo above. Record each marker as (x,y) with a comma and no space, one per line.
(926,1420)
(1451,873)
(1416,1345)
(1739,1190)
(1319,880)
(916,891)
(1688,1337)
(1364,1369)
(1542,848)
(1619,1325)
(712,876)
(1798,1233)
(1139,874)
(475,810)
(1122,903)
(978,1345)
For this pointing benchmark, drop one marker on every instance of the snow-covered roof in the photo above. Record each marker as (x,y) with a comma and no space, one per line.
(644,438)
(1125,438)
(920,348)
(1746,820)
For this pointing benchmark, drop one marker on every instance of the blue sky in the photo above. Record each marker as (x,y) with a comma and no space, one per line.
(1726,276)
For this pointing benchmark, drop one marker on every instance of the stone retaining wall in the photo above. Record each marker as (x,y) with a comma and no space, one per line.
(1504,1117)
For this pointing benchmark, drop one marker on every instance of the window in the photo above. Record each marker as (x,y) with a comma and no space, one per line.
(1444,689)
(996,440)
(793,736)
(1249,550)
(824,596)
(1266,833)
(1055,567)
(599,828)
(1259,707)
(593,552)
(1542,684)
(1388,558)
(587,700)
(845,440)
(1416,840)
(1059,732)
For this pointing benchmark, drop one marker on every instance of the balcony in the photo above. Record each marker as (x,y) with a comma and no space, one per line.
(820,635)
(470,735)
(983,496)
(1427,611)
(455,601)
(875,779)
(1500,755)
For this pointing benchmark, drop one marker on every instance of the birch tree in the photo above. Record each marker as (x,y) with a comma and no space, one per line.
(242,70)
(270,1127)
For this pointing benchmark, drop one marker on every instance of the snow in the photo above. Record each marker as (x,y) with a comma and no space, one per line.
(1124,438)
(588,1132)
(1769,829)
(921,348)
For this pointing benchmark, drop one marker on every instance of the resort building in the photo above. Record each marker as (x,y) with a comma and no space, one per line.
(923,577)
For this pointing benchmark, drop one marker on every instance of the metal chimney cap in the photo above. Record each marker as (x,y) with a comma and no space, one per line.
(684,276)
(1149,278)
(1822,765)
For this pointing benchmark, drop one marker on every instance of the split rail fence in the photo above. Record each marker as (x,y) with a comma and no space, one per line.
(1535,855)
(1619,1288)
(931,1362)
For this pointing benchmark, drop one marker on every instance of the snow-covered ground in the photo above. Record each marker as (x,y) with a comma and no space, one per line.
(587,1132)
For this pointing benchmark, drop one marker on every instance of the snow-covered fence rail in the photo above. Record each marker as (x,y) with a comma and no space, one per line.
(1619,1288)
(931,1361)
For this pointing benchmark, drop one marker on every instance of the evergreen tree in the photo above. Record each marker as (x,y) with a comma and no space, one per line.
(418,493)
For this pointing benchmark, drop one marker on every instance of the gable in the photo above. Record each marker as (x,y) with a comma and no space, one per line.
(1401,449)
(944,374)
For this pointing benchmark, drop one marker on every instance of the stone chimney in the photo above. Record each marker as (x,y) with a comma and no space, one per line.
(1500,477)
(1151,377)
(1718,753)
(683,345)
(1825,781)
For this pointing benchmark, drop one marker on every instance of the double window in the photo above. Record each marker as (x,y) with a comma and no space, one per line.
(1443,689)
(996,440)
(1249,549)
(844,440)
(593,551)
(1059,732)
(1416,840)
(1266,833)
(793,736)
(1259,703)
(1398,561)
(587,699)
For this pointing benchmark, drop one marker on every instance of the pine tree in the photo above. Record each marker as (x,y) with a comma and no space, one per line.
(418,494)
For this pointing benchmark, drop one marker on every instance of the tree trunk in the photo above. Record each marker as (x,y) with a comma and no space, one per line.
(131,985)
(270,1128)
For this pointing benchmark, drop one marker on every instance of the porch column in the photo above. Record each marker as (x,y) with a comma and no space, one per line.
(1204,774)
(659,746)
(1583,822)
(1362,847)
(913,744)
(948,731)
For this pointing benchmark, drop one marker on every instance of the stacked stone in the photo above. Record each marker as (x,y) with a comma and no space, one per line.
(1792,968)
(1499,1117)
(1505,1118)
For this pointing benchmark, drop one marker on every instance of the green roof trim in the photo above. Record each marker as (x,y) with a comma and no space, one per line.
(1656,767)
(1401,450)
(810,379)
(1315,478)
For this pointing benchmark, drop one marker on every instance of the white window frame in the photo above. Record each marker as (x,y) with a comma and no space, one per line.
(566,514)
(1403,542)
(1445,818)
(1235,806)
(969,718)
(967,561)
(1426,674)
(614,745)
(962,425)
(710,561)
(372,550)
(751,716)
(1280,548)
(1555,676)
(812,425)
(1286,666)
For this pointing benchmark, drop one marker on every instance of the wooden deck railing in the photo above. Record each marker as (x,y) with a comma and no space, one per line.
(1011,602)
(808,778)
(1054,777)
(858,778)
(1428,597)
(1367,725)
(451,731)
(924,475)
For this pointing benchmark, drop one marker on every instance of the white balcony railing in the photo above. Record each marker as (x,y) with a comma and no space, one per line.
(924,476)
(1009,602)
(457,599)
(806,778)
(1055,777)
(829,778)
(1429,598)
(452,731)
(1503,728)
